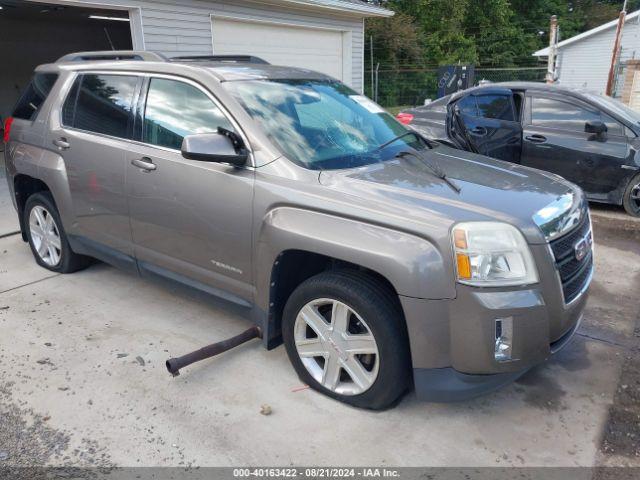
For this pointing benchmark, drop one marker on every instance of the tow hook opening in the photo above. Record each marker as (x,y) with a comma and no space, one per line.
(175,364)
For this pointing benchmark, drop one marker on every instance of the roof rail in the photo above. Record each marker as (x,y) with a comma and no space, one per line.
(220,58)
(113,55)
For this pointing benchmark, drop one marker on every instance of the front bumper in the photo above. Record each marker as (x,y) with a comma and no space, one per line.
(450,385)
(453,341)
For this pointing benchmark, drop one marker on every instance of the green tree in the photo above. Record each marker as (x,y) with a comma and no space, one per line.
(484,32)
(440,23)
(499,40)
(396,41)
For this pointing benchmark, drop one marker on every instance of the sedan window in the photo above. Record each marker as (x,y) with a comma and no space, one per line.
(498,107)
(495,106)
(468,106)
(552,113)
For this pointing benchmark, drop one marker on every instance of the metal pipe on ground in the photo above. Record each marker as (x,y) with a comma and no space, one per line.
(175,364)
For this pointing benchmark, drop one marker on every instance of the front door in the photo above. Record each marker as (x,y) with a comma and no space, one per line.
(93,140)
(555,140)
(190,219)
(490,123)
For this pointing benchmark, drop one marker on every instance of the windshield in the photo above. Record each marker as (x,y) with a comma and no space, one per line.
(616,107)
(323,124)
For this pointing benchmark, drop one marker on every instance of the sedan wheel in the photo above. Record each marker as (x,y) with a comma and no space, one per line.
(634,196)
(336,347)
(45,235)
(631,199)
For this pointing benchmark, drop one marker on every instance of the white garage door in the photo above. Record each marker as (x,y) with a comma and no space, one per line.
(312,48)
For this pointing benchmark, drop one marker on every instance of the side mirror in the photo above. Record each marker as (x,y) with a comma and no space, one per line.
(223,146)
(596,127)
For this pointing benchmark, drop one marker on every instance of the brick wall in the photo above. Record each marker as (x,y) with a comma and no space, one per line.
(632,66)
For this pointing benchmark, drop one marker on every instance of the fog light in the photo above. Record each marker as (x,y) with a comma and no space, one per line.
(504,339)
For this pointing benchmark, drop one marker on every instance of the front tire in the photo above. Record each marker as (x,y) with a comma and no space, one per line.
(345,335)
(631,198)
(47,238)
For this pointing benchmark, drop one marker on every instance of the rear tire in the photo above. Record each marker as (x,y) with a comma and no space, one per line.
(372,323)
(631,198)
(47,238)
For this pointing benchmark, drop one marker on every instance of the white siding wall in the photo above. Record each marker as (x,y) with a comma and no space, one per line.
(585,63)
(183,27)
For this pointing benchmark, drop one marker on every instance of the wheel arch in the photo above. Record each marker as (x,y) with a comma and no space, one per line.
(295,244)
(24,186)
(291,268)
(42,170)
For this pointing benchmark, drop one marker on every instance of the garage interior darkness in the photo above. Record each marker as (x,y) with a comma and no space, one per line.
(35,33)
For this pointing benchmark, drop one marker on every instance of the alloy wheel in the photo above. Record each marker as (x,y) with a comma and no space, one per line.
(336,346)
(45,236)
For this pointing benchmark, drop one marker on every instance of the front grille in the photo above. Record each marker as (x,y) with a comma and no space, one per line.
(574,273)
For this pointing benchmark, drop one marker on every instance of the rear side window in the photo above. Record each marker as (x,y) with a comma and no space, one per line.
(495,106)
(100,104)
(34,96)
(176,109)
(468,106)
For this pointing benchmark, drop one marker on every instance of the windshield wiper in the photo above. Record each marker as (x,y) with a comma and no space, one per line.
(400,137)
(436,171)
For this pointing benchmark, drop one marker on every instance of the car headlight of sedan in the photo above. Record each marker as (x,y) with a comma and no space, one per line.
(492,254)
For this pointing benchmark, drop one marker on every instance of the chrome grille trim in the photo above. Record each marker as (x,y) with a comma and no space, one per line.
(575,274)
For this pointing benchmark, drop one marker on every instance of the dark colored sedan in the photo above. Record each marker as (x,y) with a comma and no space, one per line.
(589,139)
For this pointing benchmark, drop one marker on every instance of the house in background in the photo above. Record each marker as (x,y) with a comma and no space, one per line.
(584,60)
(324,35)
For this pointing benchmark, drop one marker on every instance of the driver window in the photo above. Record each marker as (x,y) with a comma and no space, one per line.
(552,113)
(176,109)
(613,126)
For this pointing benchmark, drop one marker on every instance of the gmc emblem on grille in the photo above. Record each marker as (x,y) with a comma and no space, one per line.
(582,248)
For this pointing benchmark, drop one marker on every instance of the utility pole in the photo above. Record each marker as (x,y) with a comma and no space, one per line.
(616,50)
(371,48)
(553,48)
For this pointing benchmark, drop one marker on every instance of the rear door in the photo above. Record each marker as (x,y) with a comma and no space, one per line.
(92,136)
(555,140)
(490,123)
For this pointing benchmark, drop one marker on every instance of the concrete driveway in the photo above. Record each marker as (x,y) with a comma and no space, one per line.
(83,383)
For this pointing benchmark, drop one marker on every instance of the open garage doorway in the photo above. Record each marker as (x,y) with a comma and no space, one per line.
(33,33)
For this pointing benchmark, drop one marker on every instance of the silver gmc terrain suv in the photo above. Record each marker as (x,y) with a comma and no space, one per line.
(382,259)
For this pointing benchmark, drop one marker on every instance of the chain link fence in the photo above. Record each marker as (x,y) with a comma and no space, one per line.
(411,86)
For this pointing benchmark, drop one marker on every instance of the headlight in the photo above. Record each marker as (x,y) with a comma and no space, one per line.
(491,254)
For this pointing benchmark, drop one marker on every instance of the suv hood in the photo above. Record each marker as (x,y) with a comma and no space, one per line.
(490,190)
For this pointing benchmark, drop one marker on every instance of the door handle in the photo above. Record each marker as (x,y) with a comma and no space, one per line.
(481,131)
(144,163)
(536,138)
(61,143)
